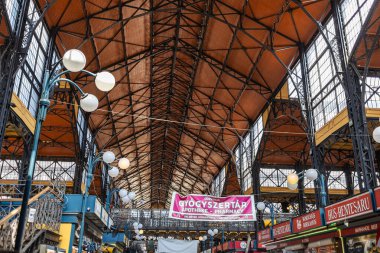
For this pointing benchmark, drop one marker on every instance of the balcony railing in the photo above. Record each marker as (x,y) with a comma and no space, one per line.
(157,219)
(46,204)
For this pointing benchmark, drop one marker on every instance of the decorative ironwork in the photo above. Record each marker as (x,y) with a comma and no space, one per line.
(47,205)
(157,219)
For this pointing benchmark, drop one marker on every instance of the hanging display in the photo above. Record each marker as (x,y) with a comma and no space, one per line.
(210,208)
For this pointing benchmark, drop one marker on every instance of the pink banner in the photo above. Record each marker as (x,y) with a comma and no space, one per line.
(210,208)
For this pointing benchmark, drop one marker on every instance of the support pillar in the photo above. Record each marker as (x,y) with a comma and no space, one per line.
(377,155)
(363,150)
(106,187)
(12,54)
(67,235)
(259,224)
(301,190)
(317,153)
(349,181)
(27,144)
(81,159)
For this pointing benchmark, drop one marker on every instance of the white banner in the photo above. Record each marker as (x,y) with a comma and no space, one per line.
(177,246)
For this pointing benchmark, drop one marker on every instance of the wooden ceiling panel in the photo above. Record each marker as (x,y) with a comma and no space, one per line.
(198,69)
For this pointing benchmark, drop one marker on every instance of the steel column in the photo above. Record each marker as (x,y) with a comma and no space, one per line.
(349,182)
(301,190)
(11,58)
(42,110)
(362,147)
(81,158)
(27,144)
(316,152)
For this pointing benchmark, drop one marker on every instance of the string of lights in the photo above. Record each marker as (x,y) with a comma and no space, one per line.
(198,124)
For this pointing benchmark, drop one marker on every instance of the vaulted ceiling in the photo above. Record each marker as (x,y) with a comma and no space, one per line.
(192,75)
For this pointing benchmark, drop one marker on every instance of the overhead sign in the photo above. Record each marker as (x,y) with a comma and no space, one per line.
(307,221)
(281,230)
(361,229)
(377,197)
(210,208)
(352,207)
(264,235)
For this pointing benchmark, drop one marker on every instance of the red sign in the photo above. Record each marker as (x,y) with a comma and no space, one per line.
(281,230)
(264,235)
(352,207)
(237,246)
(307,221)
(282,244)
(360,229)
(377,197)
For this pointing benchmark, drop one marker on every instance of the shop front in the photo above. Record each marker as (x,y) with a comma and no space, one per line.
(316,242)
(362,239)
(351,225)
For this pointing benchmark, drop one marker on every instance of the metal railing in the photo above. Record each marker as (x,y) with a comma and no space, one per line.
(13,189)
(46,204)
(157,219)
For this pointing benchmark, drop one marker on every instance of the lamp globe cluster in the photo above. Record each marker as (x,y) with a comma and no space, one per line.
(126,196)
(292,179)
(138,230)
(212,232)
(109,157)
(75,61)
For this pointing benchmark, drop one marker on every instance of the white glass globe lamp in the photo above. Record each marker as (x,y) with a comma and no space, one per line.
(113,172)
(132,195)
(105,81)
(123,193)
(376,134)
(125,200)
(123,163)
(260,206)
(89,102)
(292,178)
(108,157)
(74,60)
(311,174)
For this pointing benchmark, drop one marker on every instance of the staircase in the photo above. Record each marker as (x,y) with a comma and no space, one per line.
(42,228)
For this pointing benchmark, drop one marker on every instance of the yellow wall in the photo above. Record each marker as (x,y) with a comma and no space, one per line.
(65,235)
(24,114)
(372,112)
(332,126)
(338,122)
(274,189)
(284,92)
